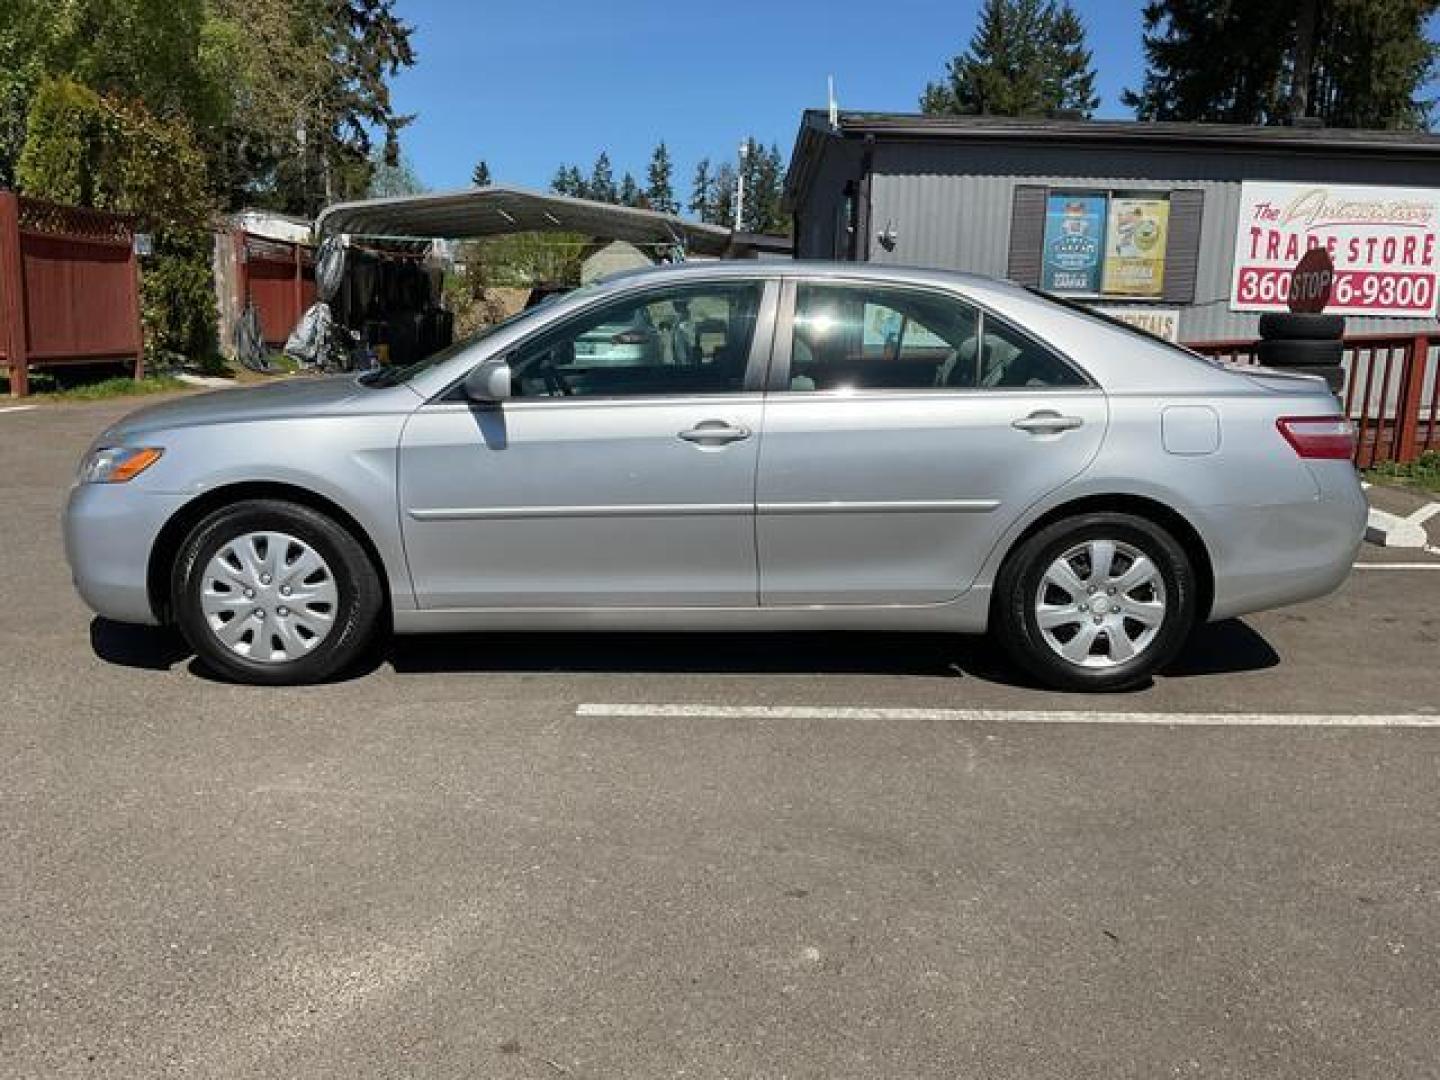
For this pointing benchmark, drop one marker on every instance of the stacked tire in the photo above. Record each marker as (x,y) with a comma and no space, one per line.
(1303,342)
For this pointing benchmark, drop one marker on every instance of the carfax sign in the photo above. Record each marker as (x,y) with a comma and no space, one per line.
(1074,233)
(1383,242)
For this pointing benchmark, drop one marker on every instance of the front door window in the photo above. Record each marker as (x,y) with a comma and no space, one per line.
(683,340)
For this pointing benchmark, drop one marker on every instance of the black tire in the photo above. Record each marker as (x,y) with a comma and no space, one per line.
(1018,587)
(1334,374)
(1288,354)
(360,594)
(1301,326)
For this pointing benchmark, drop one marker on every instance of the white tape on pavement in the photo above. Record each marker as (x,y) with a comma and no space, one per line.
(995,716)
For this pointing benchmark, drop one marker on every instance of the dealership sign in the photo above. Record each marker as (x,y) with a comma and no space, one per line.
(1383,243)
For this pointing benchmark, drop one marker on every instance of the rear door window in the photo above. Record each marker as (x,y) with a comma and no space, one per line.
(851,337)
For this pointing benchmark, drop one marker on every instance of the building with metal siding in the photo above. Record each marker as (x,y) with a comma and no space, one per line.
(952,192)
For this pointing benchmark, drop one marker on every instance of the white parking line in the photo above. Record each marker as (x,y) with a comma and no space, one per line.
(1397,565)
(993,716)
(17,408)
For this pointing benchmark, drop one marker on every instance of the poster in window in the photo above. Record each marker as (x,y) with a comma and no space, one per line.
(1135,246)
(1074,233)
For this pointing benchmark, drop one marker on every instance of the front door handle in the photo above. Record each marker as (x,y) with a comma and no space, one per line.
(715,433)
(1047,422)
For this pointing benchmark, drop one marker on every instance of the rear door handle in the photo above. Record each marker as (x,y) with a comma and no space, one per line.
(1047,422)
(715,433)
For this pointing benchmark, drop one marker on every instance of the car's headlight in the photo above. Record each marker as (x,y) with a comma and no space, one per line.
(117,464)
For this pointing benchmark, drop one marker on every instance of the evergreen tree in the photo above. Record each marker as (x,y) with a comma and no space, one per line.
(764,188)
(659,191)
(1026,58)
(481,176)
(568,181)
(1069,74)
(1221,62)
(720,207)
(629,192)
(770,206)
(1349,63)
(601,186)
(702,191)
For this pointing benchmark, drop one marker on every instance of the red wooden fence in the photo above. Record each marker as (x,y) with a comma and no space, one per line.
(279,277)
(1392,391)
(69,288)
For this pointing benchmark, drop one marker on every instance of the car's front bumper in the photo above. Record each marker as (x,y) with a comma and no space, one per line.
(110,531)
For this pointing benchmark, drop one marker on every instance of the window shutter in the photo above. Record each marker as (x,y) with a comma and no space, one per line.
(1027,234)
(1182,252)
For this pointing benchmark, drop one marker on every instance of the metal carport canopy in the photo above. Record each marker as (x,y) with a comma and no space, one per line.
(496,210)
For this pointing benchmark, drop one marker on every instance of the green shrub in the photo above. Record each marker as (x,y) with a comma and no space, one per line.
(1423,472)
(177,300)
(85,149)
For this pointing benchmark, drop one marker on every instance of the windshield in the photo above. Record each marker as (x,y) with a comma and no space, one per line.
(394,376)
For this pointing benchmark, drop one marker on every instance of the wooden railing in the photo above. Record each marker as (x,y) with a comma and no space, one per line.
(1391,391)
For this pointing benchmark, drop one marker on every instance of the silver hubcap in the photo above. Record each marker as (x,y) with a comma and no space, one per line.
(269,597)
(1100,604)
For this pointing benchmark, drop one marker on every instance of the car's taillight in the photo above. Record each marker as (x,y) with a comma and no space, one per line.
(1328,437)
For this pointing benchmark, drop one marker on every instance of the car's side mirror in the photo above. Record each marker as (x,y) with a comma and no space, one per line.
(489,384)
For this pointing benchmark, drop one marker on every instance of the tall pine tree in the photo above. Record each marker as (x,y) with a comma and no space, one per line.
(764,177)
(702,191)
(1026,58)
(629,192)
(601,186)
(1348,63)
(720,209)
(659,189)
(480,177)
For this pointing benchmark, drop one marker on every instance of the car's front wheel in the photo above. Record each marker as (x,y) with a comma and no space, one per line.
(1096,602)
(273,592)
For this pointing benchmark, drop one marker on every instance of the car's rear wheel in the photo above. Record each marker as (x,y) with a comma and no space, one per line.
(1096,602)
(268,591)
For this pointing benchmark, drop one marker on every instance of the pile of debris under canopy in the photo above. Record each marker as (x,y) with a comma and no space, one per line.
(378,302)
(379,272)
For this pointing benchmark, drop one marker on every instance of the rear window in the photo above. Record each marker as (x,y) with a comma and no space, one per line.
(1119,324)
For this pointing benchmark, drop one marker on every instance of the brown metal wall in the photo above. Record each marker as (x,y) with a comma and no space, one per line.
(280,278)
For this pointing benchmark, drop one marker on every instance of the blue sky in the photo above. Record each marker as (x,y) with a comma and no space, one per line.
(528,85)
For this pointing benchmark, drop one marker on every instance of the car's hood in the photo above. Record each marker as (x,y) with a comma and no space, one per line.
(289,398)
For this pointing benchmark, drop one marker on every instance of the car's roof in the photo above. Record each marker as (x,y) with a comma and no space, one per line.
(765,268)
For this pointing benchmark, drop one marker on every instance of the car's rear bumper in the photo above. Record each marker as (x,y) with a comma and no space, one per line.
(1271,556)
(110,531)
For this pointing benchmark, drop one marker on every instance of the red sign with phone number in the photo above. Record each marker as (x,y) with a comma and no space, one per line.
(1383,243)
(1354,290)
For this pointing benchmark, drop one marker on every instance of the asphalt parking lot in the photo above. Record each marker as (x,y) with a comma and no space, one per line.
(771,857)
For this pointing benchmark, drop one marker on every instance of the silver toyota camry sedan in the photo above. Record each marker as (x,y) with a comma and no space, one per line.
(798,446)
